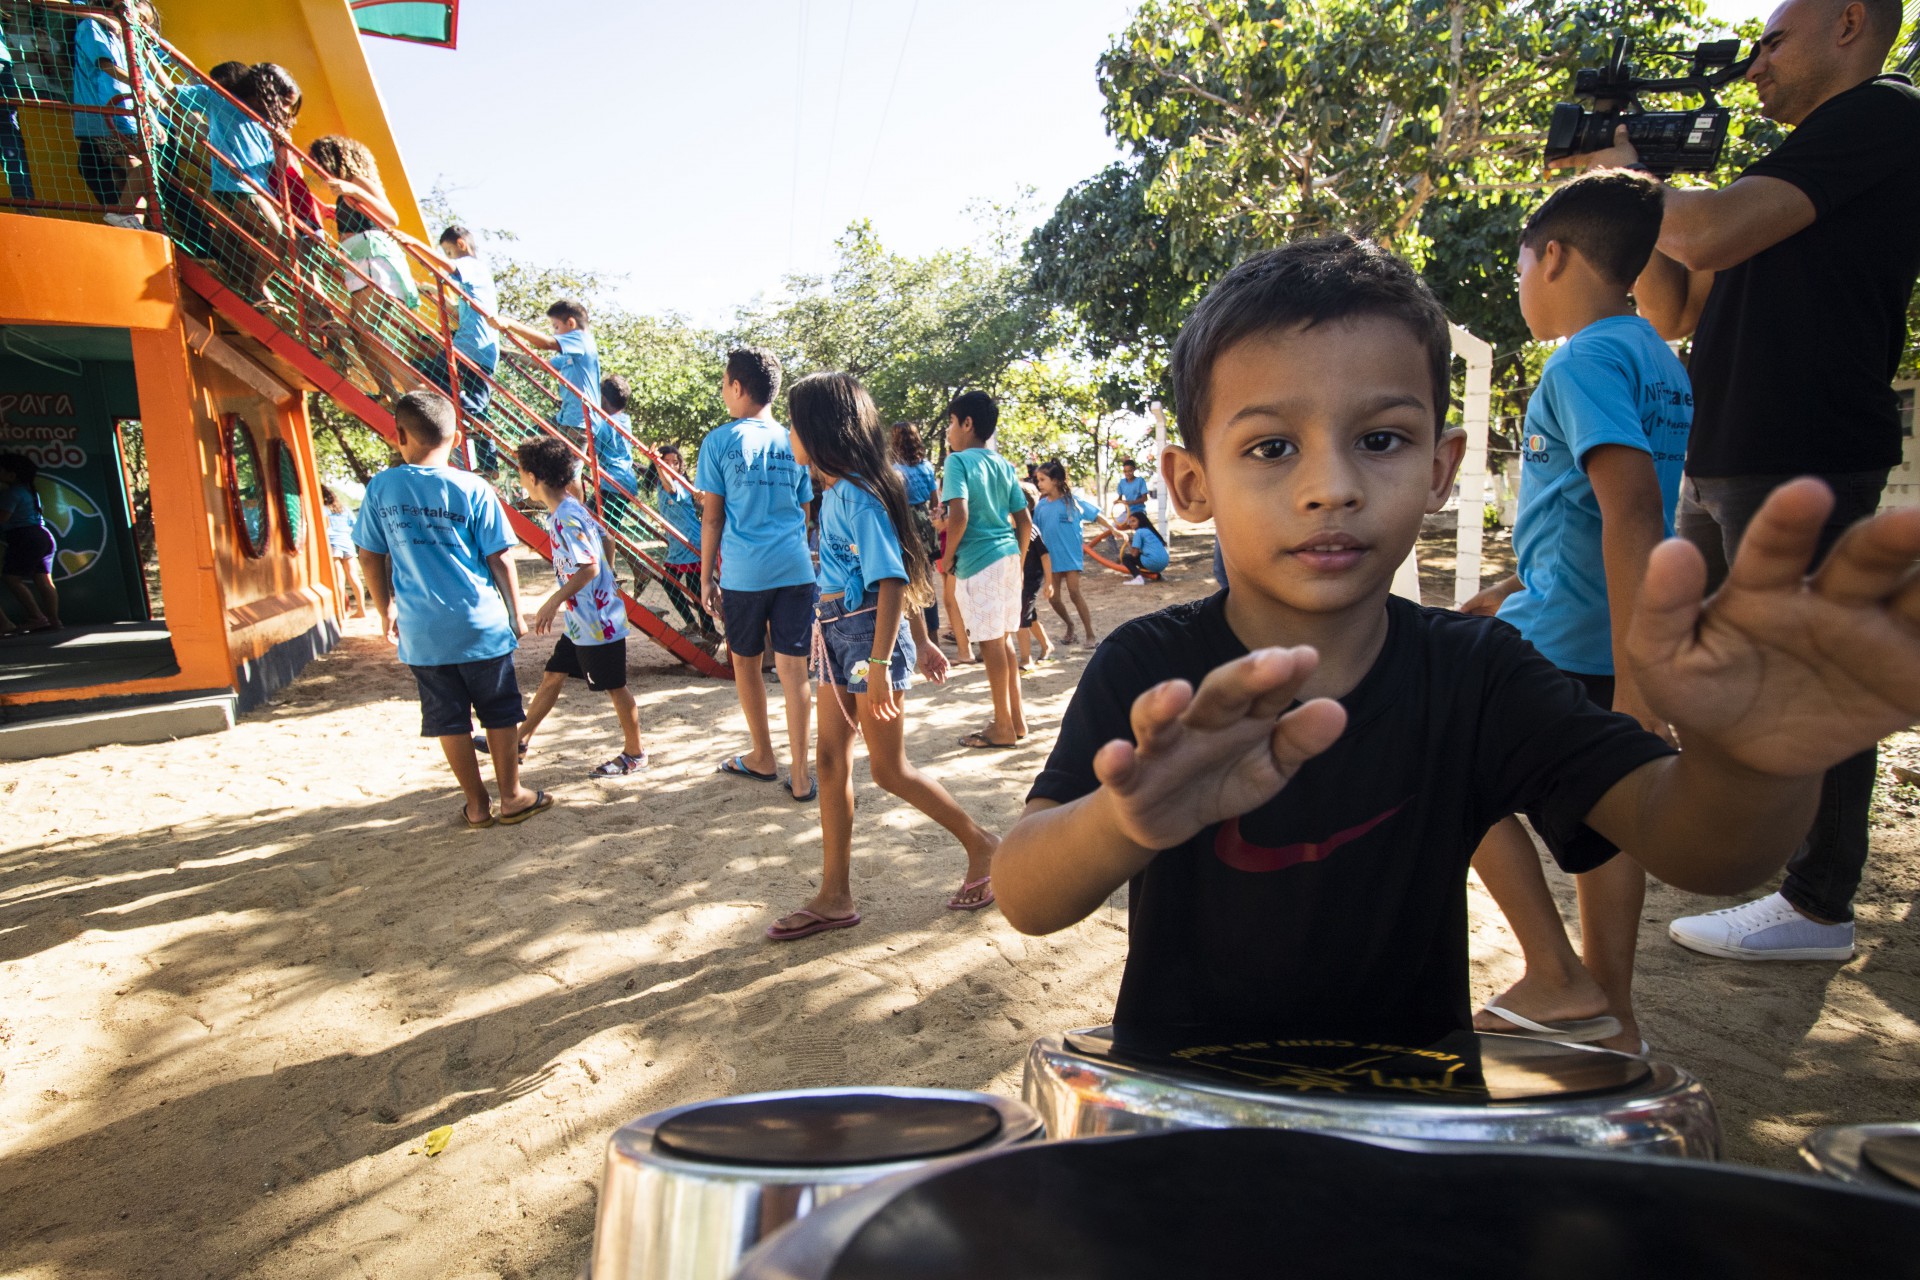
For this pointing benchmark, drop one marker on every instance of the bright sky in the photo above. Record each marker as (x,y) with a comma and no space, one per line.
(704,150)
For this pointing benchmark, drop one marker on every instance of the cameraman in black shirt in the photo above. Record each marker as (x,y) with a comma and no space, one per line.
(1794,283)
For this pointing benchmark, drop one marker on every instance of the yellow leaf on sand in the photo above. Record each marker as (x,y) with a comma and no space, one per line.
(437,1139)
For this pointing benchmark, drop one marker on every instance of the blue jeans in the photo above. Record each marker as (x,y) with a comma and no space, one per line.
(1824,874)
(848,639)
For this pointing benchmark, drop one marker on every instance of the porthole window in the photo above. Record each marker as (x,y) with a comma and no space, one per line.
(286,478)
(246,486)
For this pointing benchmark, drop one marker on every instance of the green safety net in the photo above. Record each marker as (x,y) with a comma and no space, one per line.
(422,21)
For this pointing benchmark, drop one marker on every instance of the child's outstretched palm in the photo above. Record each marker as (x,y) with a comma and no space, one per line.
(1785,674)
(1204,756)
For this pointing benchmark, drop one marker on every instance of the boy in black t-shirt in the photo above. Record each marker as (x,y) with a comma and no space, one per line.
(1294,773)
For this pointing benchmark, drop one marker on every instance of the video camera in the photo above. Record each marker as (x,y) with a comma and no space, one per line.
(1668,141)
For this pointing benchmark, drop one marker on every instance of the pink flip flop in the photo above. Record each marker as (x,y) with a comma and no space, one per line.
(821,924)
(954,903)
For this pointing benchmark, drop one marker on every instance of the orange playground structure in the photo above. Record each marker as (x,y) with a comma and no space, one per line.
(166,317)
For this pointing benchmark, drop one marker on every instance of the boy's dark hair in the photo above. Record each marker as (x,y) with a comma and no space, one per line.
(1611,218)
(1300,285)
(757,370)
(1128,462)
(229,76)
(615,394)
(547,460)
(427,416)
(25,470)
(569,309)
(454,232)
(979,406)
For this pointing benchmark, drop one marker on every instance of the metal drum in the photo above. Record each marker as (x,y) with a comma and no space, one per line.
(1883,1156)
(1264,1202)
(1467,1088)
(689,1190)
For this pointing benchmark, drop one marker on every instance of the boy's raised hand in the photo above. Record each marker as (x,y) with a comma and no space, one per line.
(1204,756)
(1784,674)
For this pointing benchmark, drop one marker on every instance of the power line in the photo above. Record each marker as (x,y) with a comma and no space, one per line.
(898,62)
(833,130)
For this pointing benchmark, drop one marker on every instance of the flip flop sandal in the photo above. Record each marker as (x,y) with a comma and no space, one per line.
(813,790)
(954,903)
(470,824)
(621,766)
(980,742)
(1572,1031)
(480,745)
(738,768)
(820,924)
(541,803)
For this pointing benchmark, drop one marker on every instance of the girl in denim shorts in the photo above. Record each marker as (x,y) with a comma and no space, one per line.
(874,580)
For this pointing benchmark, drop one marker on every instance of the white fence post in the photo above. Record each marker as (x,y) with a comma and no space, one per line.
(1477,407)
(1159,413)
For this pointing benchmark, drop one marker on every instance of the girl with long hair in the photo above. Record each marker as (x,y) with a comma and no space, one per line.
(874,576)
(1057,520)
(923,488)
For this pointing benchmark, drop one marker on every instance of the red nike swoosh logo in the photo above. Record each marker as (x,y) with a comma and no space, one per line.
(1242,854)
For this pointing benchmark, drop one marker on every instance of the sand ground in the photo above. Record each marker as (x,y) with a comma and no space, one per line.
(243,976)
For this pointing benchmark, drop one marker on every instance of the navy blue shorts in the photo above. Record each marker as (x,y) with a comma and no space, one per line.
(788,610)
(849,640)
(487,687)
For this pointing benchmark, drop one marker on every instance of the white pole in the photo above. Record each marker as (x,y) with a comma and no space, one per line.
(1477,411)
(1159,413)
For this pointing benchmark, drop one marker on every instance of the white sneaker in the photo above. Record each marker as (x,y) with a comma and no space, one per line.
(1134,582)
(1766,929)
(130,221)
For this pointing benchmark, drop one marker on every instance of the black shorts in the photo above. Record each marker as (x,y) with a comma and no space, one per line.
(1599,688)
(602,666)
(487,686)
(1033,573)
(788,610)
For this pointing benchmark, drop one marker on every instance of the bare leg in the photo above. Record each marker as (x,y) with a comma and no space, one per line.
(1611,897)
(551,683)
(1079,603)
(795,682)
(963,651)
(1040,634)
(49,597)
(28,605)
(752,690)
(504,745)
(1555,987)
(835,898)
(1060,606)
(1003,675)
(1014,704)
(887,758)
(629,712)
(466,770)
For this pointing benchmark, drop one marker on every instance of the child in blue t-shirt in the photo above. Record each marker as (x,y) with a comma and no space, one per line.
(679,505)
(613,439)
(873,572)
(1057,521)
(106,143)
(573,355)
(346,564)
(593,643)
(1132,488)
(1145,553)
(434,546)
(1604,443)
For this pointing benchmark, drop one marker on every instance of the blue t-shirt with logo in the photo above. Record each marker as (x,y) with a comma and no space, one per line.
(1153,552)
(749,463)
(475,338)
(595,614)
(578,361)
(94,40)
(681,509)
(920,480)
(1058,521)
(611,447)
(437,526)
(244,143)
(1133,492)
(1615,382)
(859,547)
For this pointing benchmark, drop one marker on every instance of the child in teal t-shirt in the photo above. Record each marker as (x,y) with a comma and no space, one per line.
(573,355)
(1145,552)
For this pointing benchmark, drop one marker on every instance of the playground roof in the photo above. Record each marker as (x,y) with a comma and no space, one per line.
(420,21)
